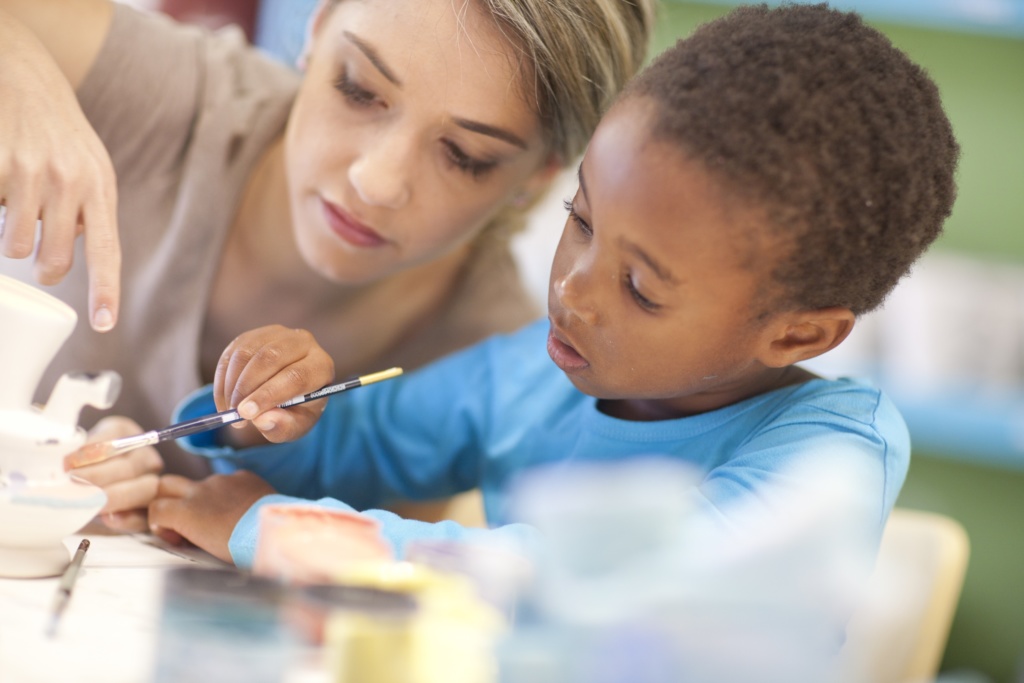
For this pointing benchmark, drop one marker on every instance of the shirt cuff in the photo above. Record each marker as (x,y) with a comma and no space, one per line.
(242,544)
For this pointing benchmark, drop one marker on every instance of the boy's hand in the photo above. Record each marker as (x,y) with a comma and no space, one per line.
(268,366)
(204,512)
(129,480)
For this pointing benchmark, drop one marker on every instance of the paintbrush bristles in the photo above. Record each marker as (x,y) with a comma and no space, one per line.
(94,453)
(89,454)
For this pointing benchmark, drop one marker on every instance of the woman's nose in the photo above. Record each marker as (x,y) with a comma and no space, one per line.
(574,296)
(381,174)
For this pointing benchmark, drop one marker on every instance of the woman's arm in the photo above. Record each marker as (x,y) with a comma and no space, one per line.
(54,171)
(71,31)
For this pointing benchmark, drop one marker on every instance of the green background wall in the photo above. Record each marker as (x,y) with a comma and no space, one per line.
(981,78)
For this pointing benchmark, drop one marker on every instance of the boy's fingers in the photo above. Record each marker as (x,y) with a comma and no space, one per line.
(175,486)
(126,496)
(237,357)
(129,521)
(114,427)
(169,519)
(287,424)
(290,381)
(171,537)
(278,357)
(122,468)
(165,517)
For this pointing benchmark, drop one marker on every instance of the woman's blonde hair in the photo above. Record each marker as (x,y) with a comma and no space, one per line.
(576,56)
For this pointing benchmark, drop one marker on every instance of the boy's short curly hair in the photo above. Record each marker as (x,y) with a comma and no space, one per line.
(814,117)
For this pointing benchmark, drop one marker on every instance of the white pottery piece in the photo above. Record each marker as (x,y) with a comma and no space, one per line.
(39,503)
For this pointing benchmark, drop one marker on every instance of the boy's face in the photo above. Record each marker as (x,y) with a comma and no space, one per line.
(655,282)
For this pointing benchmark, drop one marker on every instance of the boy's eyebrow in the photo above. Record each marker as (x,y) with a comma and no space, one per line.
(474,126)
(660,271)
(373,56)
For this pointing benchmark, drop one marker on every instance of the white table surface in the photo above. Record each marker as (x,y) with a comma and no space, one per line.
(108,632)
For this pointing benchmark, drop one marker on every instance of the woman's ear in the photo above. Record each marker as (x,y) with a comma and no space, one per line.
(800,335)
(313,27)
(539,181)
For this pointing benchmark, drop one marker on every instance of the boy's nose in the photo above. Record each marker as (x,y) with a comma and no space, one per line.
(571,292)
(380,176)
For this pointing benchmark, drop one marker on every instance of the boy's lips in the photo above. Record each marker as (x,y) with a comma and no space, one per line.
(565,356)
(348,228)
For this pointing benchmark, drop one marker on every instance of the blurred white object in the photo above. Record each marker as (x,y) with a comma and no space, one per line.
(955,322)
(39,503)
(634,560)
(899,631)
(534,248)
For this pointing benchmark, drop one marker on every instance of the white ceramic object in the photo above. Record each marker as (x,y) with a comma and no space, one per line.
(39,503)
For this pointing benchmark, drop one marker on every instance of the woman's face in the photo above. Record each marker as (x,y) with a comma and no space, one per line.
(408,135)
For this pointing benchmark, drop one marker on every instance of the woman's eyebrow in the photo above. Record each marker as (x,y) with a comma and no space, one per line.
(475,126)
(373,56)
(493,131)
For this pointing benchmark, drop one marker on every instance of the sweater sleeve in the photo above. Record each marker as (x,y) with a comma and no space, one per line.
(144,92)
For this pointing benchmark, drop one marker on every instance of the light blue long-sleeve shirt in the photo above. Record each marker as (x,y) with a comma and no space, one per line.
(482,416)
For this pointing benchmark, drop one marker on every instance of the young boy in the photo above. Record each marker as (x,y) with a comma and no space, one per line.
(760,185)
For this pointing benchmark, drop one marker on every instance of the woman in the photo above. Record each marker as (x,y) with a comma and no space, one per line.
(368,202)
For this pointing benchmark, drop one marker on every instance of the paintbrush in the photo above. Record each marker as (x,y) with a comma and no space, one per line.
(67,582)
(93,453)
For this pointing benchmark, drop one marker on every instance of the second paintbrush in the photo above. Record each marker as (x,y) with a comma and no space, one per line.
(103,450)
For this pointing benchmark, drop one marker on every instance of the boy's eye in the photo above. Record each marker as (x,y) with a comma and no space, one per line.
(580,223)
(472,166)
(643,301)
(354,93)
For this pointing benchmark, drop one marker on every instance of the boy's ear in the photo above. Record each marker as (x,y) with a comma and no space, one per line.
(800,335)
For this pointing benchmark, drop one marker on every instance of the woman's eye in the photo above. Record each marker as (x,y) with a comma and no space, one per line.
(354,93)
(580,223)
(465,163)
(644,302)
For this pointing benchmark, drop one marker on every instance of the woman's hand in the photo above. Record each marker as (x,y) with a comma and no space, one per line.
(204,512)
(265,367)
(54,171)
(130,480)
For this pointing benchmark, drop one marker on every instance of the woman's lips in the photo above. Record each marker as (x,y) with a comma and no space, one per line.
(564,356)
(348,228)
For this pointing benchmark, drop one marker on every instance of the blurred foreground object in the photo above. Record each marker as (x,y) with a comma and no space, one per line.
(899,631)
(214,14)
(640,581)
(40,503)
